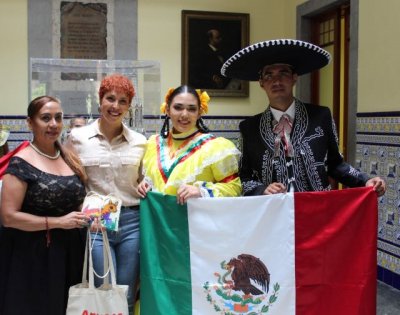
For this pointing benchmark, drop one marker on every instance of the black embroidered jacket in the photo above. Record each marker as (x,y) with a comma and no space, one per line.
(316,153)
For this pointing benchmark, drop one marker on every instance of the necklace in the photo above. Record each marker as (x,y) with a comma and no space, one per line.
(55,157)
(173,150)
(187,137)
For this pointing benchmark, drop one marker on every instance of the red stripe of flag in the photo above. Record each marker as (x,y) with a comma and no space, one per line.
(335,252)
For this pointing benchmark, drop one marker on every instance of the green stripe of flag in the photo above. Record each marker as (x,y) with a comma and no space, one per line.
(165,269)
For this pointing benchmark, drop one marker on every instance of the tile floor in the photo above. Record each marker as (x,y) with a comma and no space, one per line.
(388,300)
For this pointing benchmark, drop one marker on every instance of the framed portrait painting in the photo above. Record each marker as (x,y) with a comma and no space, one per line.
(208,40)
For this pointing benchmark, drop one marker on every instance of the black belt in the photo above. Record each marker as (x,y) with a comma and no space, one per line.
(131,207)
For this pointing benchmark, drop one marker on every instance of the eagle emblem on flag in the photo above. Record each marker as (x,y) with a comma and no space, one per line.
(242,288)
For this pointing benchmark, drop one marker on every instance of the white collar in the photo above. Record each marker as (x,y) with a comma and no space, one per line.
(277,114)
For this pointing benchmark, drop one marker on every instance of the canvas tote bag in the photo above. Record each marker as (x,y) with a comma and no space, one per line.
(109,298)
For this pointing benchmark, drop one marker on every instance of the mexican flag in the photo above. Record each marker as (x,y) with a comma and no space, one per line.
(309,253)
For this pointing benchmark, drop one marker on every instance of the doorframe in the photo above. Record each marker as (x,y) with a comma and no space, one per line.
(304,13)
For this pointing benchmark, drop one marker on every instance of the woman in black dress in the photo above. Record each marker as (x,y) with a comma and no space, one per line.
(41,244)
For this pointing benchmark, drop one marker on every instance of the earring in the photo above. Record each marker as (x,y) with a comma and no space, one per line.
(202,126)
(165,127)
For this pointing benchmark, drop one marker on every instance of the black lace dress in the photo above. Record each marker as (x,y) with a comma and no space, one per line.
(34,278)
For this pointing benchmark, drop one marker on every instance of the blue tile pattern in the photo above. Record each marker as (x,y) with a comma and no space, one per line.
(223,126)
(378,154)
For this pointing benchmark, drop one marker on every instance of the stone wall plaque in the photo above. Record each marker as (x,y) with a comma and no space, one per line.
(83,30)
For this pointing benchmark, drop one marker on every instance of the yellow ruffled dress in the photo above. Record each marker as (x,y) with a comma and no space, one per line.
(193,158)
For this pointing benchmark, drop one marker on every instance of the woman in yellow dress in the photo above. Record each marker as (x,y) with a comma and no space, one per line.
(187,160)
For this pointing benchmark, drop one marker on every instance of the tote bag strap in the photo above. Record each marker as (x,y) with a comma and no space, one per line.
(107,261)
(91,269)
(88,256)
(85,259)
(110,264)
(93,193)
(106,268)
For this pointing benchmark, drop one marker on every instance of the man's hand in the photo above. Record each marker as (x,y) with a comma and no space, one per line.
(378,184)
(275,188)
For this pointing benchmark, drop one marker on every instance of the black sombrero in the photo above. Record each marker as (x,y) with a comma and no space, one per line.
(302,56)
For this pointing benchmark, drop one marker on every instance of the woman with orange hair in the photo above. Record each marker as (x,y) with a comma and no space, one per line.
(187,161)
(112,154)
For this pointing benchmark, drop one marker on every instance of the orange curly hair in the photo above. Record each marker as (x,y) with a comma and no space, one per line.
(119,83)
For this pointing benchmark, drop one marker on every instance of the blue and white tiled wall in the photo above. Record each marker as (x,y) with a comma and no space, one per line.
(378,153)
(18,129)
(225,126)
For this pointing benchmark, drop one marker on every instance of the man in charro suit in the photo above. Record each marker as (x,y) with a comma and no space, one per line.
(291,146)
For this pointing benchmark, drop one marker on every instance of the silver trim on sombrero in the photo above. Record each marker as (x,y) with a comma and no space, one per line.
(273,42)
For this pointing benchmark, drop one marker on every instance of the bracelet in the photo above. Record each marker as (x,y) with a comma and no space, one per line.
(47,232)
